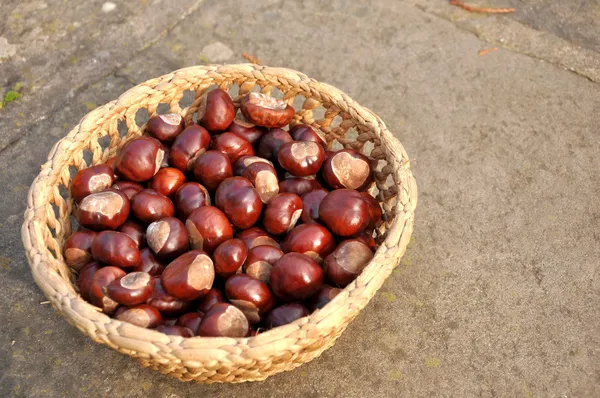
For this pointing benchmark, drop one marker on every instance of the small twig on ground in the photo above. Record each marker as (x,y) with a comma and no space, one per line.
(251,58)
(484,10)
(45,302)
(487,50)
(12,342)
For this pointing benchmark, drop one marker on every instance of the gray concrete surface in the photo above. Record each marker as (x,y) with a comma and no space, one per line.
(499,292)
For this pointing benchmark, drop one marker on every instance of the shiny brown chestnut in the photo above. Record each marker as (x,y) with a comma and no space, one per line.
(267,111)
(347,261)
(216,110)
(191,320)
(240,165)
(212,168)
(85,278)
(240,202)
(224,320)
(299,186)
(211,298)
(375,212)
(229,257)
(115,248)
(344,212)
(314,240)
(322,297)
(103,210)
(111,162)
(102,278)
(175,330)
(132,289)
(188,145)
(165,127)
(189,276)
(295,276)
(284,314)
(255,236)
(149,206)
(167,237)
(135,231)
(366,237)
(260,260)
(347,168)
(281,213)
(139,159)
(129,188)
(233,146)
(149,263)
(301,158)
(304,132)
(246,130)
(142,315)
(271,141)
(310,205)
(264,178)
(91,180)
(189,197)
(250,295)
(167,181)
(165,303)
(77,250)
(207,228)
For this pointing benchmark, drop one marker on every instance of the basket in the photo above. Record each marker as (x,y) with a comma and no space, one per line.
(209,359)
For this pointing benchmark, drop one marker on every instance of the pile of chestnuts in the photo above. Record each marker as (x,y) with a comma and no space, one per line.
(224,227)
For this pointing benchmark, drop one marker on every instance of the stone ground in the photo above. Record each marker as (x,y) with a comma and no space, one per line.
(499,292)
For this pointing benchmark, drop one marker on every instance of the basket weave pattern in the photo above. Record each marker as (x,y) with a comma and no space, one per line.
(98,137)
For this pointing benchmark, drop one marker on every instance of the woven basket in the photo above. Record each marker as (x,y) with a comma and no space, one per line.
(207,359)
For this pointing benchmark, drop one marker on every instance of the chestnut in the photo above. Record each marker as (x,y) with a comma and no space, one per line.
(191,320)
(239,201)
(282,212)
(139,159)
(304,132)
(111,163)
(295,276)
(103,210)
(149,206)
(85,278)
(314,240)
(267,111)
(102,278)
(142,315)
(224,320)
(77,250)
(322,297)
(347,168)
(167,181)
(149,263)
(229,257)
(212,168)
(91,180)
(165,303)
(271,141)
(250,295)
(301,158)
(347,261)
(189,276)
(255,236)
(216,110)
(165,127)
(310,205)
(375,212)
(189,197)
(299,185)
(285,314)
(211,298)
(115,248)
(135,231)
(233,146)
(264,178)
(260,260)
(366,237)
(131,289)
(240,165)
(188,145)
(167,237)
(129,188)
(207,228)
(344,212)
(175,330)
(246,130)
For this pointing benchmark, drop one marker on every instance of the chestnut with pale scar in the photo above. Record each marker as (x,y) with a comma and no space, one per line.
(347,168)
(131,289)
(189,276)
